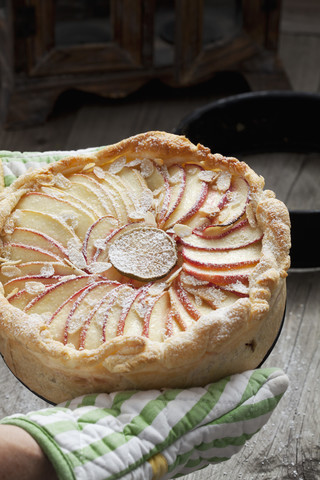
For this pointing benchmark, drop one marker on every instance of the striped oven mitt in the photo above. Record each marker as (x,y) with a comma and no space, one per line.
(15,164)
(154,434)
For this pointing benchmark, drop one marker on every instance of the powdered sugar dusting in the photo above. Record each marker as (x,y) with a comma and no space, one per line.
(143,252)
(145,201)
(10,271)
(117,165)
(75,255)
(223,181)
(47,270)
(146,168)
(34,288)
(61,181)
(99,267)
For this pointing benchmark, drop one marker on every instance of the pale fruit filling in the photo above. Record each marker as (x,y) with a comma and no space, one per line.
(129,248)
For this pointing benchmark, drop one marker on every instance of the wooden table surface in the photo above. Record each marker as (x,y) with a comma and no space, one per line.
(288,446)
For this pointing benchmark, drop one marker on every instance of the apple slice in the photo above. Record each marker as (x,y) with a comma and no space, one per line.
(57,321)
(131,319)
(132,180)
(118,298)
(158,183)
(228,293)
(219,277)
(237,236)
(29,253)
(214,296)
(181,315)
(118,190)
(82,309)
(237,198)
(185,301)
(66,195)
(91,333)
(104,197)
(209,231)
(193,196)
(224,260)
(43,222)
(55,295)
(83,192)
(21,298)
(28,236)
(41,202)
(213,202)
(20,282)
(45,269)
(156,322)
(191,303)
(98,231)
(176,182)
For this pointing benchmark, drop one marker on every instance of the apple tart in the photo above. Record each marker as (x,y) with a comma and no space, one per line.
(150,263)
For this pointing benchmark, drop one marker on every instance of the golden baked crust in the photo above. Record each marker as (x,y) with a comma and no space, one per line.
(241,303)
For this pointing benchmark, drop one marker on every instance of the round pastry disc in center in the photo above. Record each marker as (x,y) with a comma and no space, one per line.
(145,253)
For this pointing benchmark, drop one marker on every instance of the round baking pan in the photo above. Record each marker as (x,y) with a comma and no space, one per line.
(275,121)
(257,122)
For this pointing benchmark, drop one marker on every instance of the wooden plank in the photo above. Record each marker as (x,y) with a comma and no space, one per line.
(14,397)
(301,16)
(298,186)
(300,58)
(157,107)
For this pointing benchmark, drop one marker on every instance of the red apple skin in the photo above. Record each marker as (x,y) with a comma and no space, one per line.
(78,301)
(167,196)
(187,241)
(141,292)
(179,319)
(56,199)
(51,256)
(221,230)
(165,214)
(85,327)
(209,266)
(234,187)
(231,290)
(224,204)
(31,278)
(70,299)
(222,280)
(113,296)
(50,289)
(169,325)
(196,207)
(185,302)
(52,242)
(146,320)
(90,232)
(201,198)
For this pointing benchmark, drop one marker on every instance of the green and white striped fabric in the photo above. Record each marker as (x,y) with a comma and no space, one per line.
(154,434)
(16,163)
